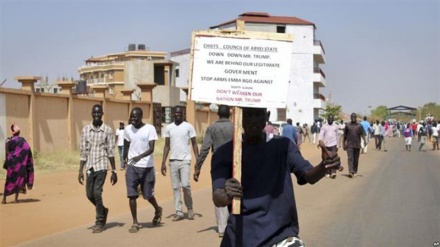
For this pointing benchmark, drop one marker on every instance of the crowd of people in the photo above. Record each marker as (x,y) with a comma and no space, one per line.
(268,216)
(425,131)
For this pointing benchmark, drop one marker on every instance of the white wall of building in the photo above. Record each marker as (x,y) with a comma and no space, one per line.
(300,90)
(183,79)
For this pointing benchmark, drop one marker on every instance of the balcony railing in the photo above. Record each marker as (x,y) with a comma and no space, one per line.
(319,70)
(317,42)
(96,81)
(319,96)
(101,64)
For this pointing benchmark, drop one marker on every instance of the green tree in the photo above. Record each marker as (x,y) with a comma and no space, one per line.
(332,109)
(430,108)
(380,113)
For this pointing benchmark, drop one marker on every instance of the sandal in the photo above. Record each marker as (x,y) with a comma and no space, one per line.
(134,228)
(157,217)
(97,229)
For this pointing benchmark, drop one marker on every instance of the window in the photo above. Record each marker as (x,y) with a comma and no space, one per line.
(281,112)
(55,90)
(177,72)
(281,29)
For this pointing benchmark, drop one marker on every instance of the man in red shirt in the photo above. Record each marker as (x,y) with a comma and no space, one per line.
(414,128)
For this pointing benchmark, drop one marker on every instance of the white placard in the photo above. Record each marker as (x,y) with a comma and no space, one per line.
(241,71)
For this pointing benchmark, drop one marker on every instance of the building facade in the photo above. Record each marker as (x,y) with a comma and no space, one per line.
(304,100)
(126,70)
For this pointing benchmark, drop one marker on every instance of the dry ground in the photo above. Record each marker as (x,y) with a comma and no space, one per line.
(58,203)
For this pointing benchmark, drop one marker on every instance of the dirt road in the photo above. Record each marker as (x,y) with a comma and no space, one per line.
(339,212)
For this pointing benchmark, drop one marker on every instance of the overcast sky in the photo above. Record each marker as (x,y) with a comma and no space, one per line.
(377,52)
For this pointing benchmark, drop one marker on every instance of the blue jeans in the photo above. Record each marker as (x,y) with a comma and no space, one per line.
(94,183)
(121,152)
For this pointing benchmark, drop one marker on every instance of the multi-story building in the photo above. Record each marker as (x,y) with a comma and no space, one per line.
(304,100)
(124,70)
(44,87)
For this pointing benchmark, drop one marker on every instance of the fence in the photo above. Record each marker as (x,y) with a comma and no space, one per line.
(51,122)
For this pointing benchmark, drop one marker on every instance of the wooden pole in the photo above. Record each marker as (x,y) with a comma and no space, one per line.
(238,130)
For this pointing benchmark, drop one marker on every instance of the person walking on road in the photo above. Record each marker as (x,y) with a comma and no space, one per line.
(139,142)
(306,132)
(268,210)
(19,165)
(366,126)
(329,135)
(97,146)
(216,135)
(423,134)
(383,135)
(435,133)
(177,137)
(376,133)
(290,132)
(120,141)
(408,134)
(352,137)
(314,131)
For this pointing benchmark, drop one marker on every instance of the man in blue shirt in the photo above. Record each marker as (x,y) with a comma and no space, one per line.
(366,125)
(290,132)
(268,209)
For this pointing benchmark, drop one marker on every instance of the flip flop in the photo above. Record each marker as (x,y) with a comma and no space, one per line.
(134,228)
(157,217)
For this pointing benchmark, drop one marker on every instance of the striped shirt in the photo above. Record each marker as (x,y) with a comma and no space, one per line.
(97,145)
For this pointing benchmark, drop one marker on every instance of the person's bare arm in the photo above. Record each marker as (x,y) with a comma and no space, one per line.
(149,151)
(166,150)
(195,147)
(330,160)
(125,153)
(81,174)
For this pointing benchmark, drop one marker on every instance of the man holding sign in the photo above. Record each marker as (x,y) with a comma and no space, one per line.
(268,213)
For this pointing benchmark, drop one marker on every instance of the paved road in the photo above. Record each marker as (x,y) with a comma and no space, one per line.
(394,202)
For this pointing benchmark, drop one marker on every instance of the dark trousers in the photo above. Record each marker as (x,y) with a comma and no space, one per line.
(333,149)
(353,159)
(379,144)
(377,141)
(94,183)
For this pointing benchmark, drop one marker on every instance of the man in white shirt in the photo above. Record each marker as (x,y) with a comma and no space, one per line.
(329,135)
(177,136)
(139,140)
(120,142)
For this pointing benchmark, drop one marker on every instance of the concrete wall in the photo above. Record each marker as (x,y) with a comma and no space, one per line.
(51,122)
(167,96)
(138,71)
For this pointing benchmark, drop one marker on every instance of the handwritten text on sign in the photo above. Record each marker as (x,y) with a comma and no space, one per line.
(241,72)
